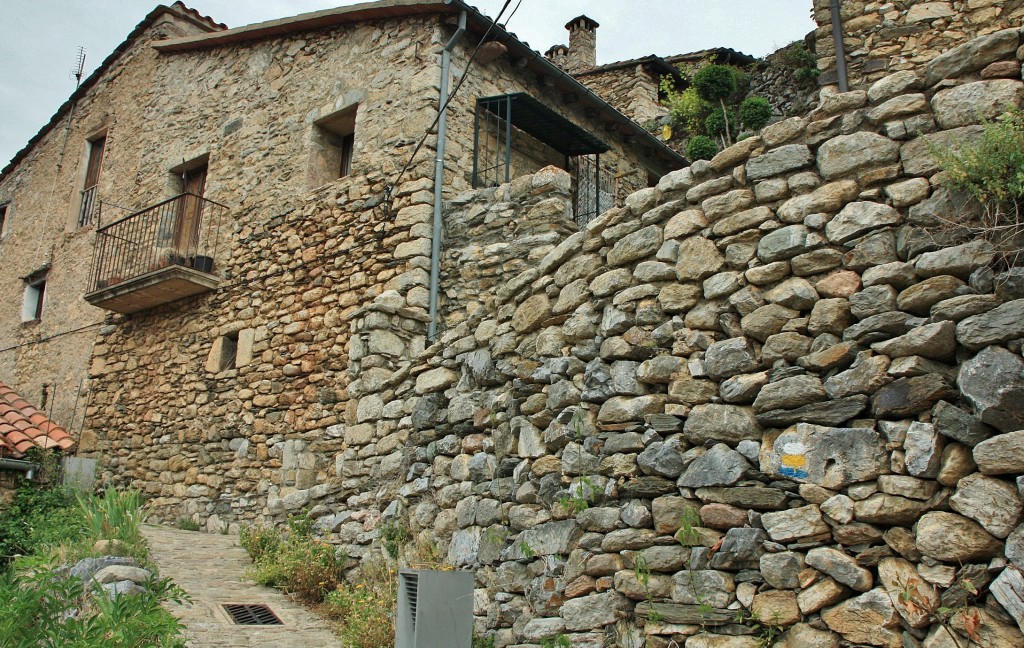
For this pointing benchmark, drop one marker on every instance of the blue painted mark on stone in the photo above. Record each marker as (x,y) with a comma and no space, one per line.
(786,471)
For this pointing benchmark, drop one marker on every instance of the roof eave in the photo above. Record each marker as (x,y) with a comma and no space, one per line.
(91,80)
(304,22)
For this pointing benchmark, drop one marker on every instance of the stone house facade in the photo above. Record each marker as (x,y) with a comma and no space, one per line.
(235,212)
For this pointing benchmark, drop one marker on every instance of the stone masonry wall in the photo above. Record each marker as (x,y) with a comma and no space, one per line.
(882,38)
(634,93)
(224,444)
(759,404)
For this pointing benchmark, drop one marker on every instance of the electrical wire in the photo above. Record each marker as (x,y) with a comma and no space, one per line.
(483,39)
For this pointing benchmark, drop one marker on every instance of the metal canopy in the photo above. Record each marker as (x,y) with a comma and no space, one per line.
(540,122)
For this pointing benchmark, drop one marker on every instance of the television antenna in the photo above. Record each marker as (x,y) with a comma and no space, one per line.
(79,66)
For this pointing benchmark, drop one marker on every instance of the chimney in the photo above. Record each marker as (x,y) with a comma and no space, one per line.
(557,55)
(582,44)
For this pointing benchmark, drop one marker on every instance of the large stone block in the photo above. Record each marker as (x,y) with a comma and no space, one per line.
(993,382)
(827,456)
(848,153)
(972,103)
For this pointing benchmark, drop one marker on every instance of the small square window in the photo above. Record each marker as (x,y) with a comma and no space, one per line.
(333,146)
(32,302)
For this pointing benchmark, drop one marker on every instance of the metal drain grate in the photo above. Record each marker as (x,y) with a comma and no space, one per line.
(244,614)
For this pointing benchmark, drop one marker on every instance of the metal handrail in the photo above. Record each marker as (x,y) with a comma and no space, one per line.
(182,230)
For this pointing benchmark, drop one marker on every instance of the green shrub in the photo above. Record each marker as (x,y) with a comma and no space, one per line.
(701,147)
(33,607)
(715,83)
(294,561)
(686,108)
(117,516)
(366,607)
(38,517)
(798,58)
(991,172)
(755,112)
(716,124)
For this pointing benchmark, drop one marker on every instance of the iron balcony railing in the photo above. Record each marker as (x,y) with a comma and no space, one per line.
(181,231)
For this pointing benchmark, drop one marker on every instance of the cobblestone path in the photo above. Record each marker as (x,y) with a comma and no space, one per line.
(211,568)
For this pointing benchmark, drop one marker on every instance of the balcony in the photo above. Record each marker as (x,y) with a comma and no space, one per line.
(157,255)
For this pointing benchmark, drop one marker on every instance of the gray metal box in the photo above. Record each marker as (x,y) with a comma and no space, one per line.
(435,609)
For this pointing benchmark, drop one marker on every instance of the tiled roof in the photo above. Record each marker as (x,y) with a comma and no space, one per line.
(23,427)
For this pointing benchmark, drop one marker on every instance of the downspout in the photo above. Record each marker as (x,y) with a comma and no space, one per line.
(837,39)
(20,465)
(442,133)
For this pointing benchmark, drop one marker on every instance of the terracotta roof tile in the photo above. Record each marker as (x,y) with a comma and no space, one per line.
(23,427)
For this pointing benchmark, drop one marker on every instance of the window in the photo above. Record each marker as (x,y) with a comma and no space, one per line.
(87,212)
(333,145)
(35,295)
(3,219)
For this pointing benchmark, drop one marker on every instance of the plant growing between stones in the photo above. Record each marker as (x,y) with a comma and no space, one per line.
(557,641)
(186,523)
(991,173)
(767,631)
(527,550)
(394,535)
(580,495)
(642,571)
(943,615)
(689,522)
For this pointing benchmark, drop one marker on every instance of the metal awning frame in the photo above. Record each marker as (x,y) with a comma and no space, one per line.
(530,116)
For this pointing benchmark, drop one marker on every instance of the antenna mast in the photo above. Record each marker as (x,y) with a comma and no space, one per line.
(77,73)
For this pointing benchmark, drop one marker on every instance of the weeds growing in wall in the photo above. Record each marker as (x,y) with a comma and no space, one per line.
(991,172)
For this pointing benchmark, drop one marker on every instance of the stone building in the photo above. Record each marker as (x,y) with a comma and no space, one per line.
(766,400)
(238,193)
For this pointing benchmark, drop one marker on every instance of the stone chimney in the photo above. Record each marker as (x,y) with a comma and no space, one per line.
(557,54)
(582,44)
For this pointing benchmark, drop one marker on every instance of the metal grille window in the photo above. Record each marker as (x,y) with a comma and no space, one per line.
(593,188)
(87,212)
(515,134)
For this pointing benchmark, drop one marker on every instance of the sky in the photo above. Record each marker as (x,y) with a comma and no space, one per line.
(41,37)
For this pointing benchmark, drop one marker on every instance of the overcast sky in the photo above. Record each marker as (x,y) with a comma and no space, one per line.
(41,37)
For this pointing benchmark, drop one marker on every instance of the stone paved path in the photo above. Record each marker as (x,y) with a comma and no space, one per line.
(211,568)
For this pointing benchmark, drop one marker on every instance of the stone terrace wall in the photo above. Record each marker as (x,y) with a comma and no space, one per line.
(759,394)
(881,38)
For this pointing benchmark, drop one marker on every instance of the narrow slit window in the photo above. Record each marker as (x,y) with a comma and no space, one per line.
(3,220)
(229,352)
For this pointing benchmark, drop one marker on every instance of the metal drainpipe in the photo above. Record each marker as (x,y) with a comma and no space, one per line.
(20,465)
(442,132)
(837,39)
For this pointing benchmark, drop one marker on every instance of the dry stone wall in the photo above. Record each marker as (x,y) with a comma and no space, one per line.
(759,404)
(885,37)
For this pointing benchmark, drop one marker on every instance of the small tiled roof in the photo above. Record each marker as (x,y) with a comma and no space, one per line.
(23,427)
